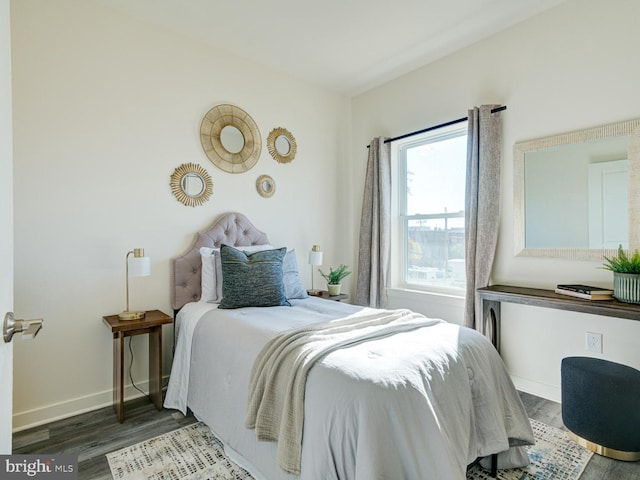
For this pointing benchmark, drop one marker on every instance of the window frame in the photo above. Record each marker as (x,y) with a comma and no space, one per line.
(401,220)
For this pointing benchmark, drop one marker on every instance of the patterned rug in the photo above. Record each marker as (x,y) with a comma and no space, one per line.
(554,457)
(189,453)
(194,453)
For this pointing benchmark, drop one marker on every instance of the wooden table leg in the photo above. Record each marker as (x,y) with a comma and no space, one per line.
(155,366)
(118,375)
(491,321)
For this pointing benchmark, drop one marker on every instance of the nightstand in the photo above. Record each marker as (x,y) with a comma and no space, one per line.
(325,295)
(151,324)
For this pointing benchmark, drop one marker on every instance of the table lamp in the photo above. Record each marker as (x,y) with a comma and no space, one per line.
(315,258)
(137,266)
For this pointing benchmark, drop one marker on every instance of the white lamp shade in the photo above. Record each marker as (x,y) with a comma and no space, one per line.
(315,258)
(139,266)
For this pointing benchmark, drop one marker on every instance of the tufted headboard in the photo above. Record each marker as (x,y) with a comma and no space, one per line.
(231,228)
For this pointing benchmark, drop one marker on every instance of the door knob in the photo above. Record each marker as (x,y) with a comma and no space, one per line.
(28,328)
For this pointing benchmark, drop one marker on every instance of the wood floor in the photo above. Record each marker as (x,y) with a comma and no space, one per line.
(91,435)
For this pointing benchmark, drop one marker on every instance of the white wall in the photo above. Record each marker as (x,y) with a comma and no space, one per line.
(105,108)
(569,68)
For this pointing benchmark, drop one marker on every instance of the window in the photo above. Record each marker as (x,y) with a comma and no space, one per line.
(431,201)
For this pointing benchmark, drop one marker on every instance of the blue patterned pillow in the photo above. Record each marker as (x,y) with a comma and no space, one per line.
(252,280)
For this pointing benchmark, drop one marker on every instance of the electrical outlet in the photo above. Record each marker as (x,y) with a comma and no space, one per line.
(594,342)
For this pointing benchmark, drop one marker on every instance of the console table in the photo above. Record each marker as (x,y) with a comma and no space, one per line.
(492,296)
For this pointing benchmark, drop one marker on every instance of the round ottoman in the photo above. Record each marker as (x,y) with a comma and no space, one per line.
(601,406)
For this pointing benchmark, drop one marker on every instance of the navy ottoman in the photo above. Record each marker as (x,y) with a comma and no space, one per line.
(601,406)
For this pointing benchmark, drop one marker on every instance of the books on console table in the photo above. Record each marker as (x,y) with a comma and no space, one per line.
(585,291)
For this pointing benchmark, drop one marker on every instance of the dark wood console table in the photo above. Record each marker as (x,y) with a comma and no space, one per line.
(492,296)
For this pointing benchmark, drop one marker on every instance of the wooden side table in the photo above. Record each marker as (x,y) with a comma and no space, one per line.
(151,324)
(325,295)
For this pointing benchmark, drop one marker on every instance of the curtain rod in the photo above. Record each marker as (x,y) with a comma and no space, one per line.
(436,127)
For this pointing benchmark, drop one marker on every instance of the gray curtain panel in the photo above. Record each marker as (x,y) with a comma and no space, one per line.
(484,143)
(375,228)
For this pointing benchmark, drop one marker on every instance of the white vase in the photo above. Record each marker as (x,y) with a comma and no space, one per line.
(626,287)
(334,289)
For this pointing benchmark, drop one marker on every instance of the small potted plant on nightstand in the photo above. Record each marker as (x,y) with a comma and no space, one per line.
(334,278)
(626,275)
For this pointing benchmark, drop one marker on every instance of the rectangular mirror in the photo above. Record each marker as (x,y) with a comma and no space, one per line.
(577,195)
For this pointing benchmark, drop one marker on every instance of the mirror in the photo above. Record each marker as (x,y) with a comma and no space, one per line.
(281,144)
(266,186)
(283,147)
(230,138)
(191,184)
(576,194)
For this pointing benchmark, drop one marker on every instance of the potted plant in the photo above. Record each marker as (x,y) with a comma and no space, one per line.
(334,278)
(626,275)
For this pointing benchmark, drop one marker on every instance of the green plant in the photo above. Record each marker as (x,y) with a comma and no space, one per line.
(623,263)
(334,277)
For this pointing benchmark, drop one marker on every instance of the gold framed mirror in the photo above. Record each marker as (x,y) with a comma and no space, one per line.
(230,138)
(281,144)
(266,186)
(576,194)
(191,184)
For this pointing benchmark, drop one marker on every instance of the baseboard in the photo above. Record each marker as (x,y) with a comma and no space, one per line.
(549,392)
(69,408)
(75,406)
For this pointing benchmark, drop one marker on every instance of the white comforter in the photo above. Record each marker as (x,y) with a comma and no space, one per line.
(416,405)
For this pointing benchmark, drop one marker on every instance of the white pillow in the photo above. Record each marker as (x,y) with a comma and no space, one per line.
(209,279)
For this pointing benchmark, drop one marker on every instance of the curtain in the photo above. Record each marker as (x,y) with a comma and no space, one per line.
(375,228)
(484,143)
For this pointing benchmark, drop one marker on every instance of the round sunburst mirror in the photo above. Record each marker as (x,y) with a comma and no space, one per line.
(281,144)
(230,138)
(191,184)
(266,186)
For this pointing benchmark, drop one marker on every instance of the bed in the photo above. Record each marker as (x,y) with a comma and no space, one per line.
(377,395)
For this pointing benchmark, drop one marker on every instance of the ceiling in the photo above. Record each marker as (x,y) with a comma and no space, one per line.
(344,46)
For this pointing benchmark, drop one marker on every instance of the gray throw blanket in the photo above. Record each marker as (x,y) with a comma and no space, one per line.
(278,378)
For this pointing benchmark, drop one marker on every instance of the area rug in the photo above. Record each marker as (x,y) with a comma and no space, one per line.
(554,457)
(189,453)
(194,453)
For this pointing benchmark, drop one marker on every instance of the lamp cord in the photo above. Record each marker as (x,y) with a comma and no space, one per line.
(131,376)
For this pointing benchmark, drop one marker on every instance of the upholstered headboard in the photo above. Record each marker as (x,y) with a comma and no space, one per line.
(230,228)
